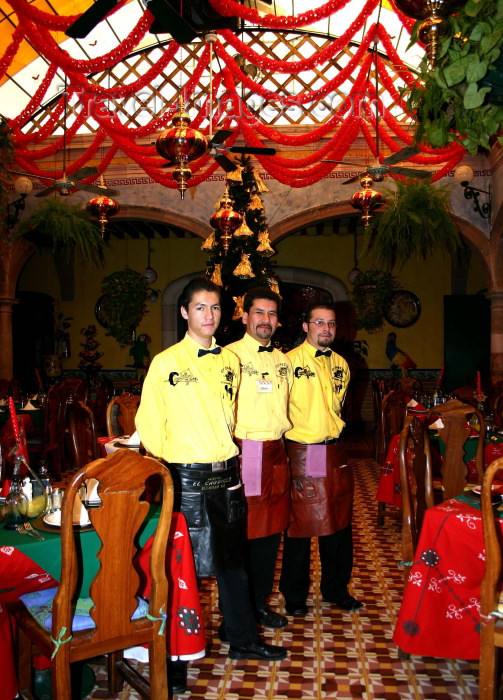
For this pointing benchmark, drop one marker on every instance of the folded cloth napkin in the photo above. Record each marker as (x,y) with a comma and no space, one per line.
(80,514)
(416,406)
(436,425)
(92,490)
(133,439)
(29,407)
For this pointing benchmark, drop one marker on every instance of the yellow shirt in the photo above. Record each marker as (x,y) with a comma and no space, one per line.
(266,379)
(187,408)
(317,395)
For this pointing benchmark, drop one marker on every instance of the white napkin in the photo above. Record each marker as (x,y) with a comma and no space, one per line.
(437,425)
(133,439)
(29,407)
(80,514)
(92,490)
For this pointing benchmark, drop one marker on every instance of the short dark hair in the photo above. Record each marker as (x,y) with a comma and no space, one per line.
(260,293)
(327,305)
(198,284)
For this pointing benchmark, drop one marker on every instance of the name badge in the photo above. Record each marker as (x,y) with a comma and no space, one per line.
(264,386)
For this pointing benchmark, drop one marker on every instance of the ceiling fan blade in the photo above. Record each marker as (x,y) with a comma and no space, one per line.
(410,172)
(226,163)
(84,172)
(252,151)
(218,138)
(38,177)
(353,179)
(399,156)
(90,18)
(343,162)
(96,189)
(47,191)
(169,21)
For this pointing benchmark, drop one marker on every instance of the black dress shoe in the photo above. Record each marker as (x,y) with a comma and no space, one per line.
(258,650)
(269,618)
(297,608)
(346,603)
(222,633)
(177,677)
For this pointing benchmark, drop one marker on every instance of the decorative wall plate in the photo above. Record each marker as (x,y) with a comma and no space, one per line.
(101,313)
(404,310)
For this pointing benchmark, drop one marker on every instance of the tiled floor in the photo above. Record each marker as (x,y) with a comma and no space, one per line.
(333,654)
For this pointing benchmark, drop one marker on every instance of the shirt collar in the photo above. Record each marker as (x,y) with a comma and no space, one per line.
(194,347)
(252,344)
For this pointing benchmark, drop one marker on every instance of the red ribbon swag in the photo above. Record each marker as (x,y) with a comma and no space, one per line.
(350,118)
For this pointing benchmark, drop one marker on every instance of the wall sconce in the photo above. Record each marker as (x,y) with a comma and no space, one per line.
(464,175)
(22,186)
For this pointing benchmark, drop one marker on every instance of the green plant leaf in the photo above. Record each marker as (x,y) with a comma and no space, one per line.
(476,70)
(454,73)
(474,97)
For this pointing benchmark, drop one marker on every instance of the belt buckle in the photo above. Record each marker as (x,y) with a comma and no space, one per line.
(217,466)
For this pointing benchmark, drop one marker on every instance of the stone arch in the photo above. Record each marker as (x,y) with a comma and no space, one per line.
(299,275)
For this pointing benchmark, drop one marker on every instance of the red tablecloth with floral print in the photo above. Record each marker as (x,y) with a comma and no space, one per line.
(440,611)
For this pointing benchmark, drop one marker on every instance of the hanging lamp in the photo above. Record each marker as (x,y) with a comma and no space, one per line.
(102,207)
(366,199)
(225,221)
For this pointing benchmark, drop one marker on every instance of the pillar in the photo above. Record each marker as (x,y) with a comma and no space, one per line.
(6,356)
(496,298)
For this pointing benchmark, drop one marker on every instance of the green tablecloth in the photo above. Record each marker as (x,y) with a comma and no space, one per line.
(37,416)
(47,553)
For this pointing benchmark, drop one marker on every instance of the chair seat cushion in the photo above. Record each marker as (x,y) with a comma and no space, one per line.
(39,605)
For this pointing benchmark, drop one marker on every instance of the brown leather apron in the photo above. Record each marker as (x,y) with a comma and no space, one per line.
(320,505)
(269,513)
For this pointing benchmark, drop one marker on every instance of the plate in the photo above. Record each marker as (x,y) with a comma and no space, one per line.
(404,309)
(54,520)
(125,444)
(478,489)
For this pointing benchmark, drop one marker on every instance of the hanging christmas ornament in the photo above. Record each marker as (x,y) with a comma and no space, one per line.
(244,231)
(238,309)
(433,13)
(366,199)
(244,270)
(216,277)
(255,202)
(273,284)
(264,248)
(259,183)
(179,145)
(236,175)
(102,207)
(225,221)
(210,242)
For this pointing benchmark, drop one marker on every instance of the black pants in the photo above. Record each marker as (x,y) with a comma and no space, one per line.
(336,557)
(262,553)
(234,601)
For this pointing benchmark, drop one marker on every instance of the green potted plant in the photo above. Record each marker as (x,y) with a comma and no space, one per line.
(125,294)
(461,99)
(372,294)
(63,227)
(415,223)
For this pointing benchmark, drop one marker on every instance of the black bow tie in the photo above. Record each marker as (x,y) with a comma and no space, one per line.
(325,353)
(265,348)
(215,351)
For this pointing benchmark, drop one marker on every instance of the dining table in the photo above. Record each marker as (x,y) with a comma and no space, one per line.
(388,488)
(28,564)
(440,611)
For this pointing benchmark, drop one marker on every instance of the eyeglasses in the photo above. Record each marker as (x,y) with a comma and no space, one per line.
(320,323)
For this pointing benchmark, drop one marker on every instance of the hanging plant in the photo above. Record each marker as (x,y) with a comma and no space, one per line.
(372,294)
(461,99)
(416,223)
(63,228)
(125,295)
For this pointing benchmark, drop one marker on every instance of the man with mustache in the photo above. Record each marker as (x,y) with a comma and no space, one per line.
(322,482)
(186,418)
(266,378)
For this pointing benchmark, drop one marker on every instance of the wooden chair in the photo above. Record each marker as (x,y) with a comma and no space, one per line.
(74,389)
(48,443)
(497,405)
(393,410)
(104,394)
(409,385)
(83,442)
(416,485)
(491,627)
(113,601)
(380,388)
(455,415)
(121,412)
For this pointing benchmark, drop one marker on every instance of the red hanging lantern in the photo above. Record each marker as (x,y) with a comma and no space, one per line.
(102,207)
(179,145)
(225,221)
(366,199)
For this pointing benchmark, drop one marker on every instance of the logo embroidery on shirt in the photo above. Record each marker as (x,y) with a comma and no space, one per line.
(249,369)
(229,377)
(303,372)
(185,376)
(282,369)
(338,374)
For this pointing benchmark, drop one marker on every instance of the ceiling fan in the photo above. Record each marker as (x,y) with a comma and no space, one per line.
(71,182)
(389,165)
(184,20)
